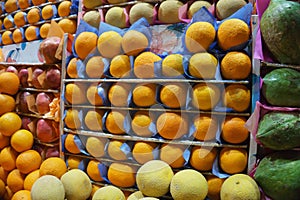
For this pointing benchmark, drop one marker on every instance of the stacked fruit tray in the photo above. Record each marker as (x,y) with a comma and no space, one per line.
(150,92)
(25,21)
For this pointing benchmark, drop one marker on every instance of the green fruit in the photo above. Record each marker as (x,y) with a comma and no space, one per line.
(280,27)
(279,131)
(278,175)
(281,87)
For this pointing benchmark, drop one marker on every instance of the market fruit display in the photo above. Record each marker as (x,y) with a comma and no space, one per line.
(279,130)
(139,10)
(108,192)
(276,167)
(225,8)
(283,82)
(240,186)
(276,33)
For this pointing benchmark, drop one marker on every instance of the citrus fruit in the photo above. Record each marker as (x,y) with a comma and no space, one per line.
(73,162)
(109,44)
(143,152)
(32,33)
(233,160)
(205,96)
(21,195)
(7,37)
(9,83)
(38,2)
(22,140)
(72,68)
(114,122)
(15,180)
(120,66)
(199,36)
(75,93)
(214,186)
(237,97)
(92,95)
(121,175)
(93,120)
(28,161)
(96,146)
(202,158)
(206,127)
(93,18)
(234,130)
(7,103)
(85,43)
(4,141)
(144,95)
(172,65)
(8,158)
(118,94)
(144,64)
(134,42)
(235,65)
(68,25)
(18,35)
(10,122)
(173,154)
(116,150)
(64,8)
(140,124)
(225,8)
(53,166)
(33,15)
(20,19)
(71,145)
(173,95)
(44,29)
(72,119)
(203,65)
(92,170)
(94,67)
(31,178)
(232,32)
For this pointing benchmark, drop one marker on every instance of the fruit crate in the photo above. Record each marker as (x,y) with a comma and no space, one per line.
(81,134)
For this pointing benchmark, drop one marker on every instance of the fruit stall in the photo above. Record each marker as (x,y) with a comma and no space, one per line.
(116,99)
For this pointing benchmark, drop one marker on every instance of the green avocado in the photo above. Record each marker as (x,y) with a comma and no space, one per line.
(278,174)
(281,87)
(279,130)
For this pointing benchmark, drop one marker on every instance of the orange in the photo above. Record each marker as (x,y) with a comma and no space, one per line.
(134,42)
(31,178)
(173,155)
(121,175)
(8,22)
(7,38)
(237,97)
(173,95)
(9,83)
(22,140)
(206,127)
(142,152)
(203,65)
(120,66)
(75,93)
(23,4)
(73,162)
(115,122)
(2,188)
(85,43)
(144,65)
(21,195)
(11,6)
(70,144)
(234,130)
(47,12)
(94,67)
(116,149)
(68,25)
(33,15)
(8,194)
(72,119)
(3,174)
(10,122)
(92,95)
(18,36)
(214,186)
(172,125)
(232,32)
(96,146)
(93,171)
(7,103)
(38,2)
(93,120)
(235,65)
(140,124)
(20,19)
(109,44)
(233,160)
(118,94)
(199,36)
(64,8)
(202,158)
(8,158)
(144,95)
(71,68)
(205,96)
(53,166)
(4,141)
(28,161)
(172,65)
(44,29)
(15,180)
(32,33)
